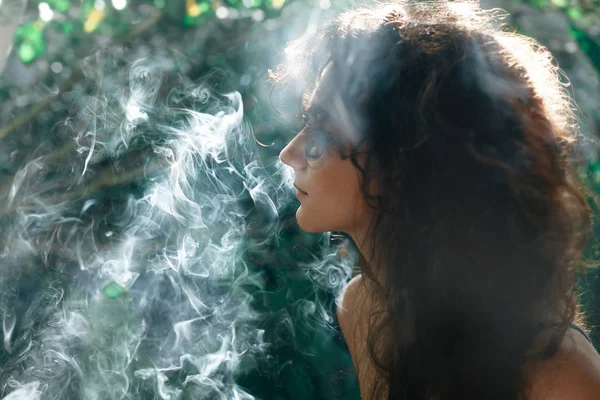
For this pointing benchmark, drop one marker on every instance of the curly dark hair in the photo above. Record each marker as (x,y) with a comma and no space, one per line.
(481,219)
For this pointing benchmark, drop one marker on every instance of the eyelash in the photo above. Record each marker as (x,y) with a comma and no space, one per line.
(316,138)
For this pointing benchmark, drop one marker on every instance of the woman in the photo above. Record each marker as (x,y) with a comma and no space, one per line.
(441,145)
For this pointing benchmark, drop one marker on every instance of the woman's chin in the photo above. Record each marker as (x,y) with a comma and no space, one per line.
(308,224)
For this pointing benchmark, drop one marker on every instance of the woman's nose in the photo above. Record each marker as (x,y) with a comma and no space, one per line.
(291,154)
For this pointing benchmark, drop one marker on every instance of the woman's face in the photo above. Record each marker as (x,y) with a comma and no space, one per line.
(333,200)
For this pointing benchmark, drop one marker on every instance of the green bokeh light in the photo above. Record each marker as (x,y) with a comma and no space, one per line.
(560,3)
(574,13)
(114,290)
(26,52)
(59,5)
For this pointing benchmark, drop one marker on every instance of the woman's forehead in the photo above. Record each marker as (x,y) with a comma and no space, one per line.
(326,103)
(317,98)
(326,98)
(325,82)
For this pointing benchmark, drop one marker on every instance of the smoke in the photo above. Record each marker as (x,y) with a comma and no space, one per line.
(125,239)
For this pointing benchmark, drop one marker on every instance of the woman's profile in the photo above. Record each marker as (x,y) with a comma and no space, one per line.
(445,147)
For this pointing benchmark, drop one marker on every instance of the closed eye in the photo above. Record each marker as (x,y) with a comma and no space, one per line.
(318,143)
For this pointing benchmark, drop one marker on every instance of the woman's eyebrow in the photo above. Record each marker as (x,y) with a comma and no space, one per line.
(317,111)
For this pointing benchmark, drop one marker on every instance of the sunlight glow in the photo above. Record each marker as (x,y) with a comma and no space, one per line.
(46,13)
(119,4)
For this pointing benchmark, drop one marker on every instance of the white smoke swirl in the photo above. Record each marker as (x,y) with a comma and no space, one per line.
(128,225)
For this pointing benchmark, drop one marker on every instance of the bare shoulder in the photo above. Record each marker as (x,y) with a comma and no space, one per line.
(355,304)
(354,315)
(573,373)
(348,300)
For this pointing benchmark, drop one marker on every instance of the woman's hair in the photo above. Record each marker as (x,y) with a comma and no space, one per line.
(480,220)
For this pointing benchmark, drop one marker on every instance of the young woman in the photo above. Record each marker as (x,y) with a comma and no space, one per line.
(443,146)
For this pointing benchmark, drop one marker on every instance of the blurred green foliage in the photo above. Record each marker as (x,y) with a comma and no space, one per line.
(99,15)
(316,364)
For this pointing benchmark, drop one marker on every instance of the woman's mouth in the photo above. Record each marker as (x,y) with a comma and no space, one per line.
(300,191)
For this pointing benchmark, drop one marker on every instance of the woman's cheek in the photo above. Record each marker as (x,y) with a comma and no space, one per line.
(319,213)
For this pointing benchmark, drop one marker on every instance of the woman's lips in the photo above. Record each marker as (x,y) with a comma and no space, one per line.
(300,190)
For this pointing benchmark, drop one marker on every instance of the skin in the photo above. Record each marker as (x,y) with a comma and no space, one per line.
(335,203)
(573,373)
